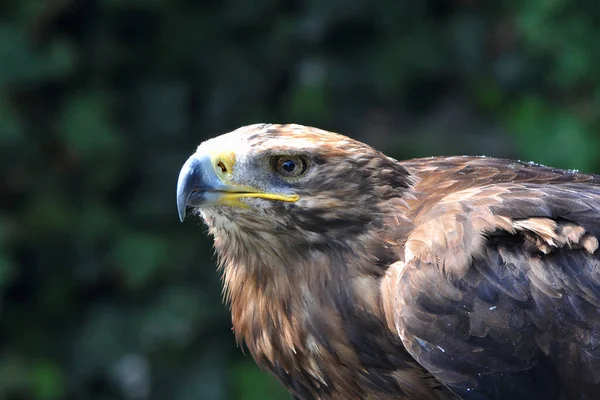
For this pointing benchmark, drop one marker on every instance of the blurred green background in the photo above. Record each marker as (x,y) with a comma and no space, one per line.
(104,294)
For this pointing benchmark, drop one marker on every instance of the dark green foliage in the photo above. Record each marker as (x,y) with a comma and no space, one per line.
(104,294)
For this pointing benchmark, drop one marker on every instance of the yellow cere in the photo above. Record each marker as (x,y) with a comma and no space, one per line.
(223,164)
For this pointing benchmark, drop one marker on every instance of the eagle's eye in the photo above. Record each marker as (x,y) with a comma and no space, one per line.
(289,166)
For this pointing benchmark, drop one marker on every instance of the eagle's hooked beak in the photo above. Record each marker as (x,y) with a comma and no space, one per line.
(205,179)
(198,184)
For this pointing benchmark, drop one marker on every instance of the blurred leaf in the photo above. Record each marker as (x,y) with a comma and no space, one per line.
(576,53)
(11,127)
(101,341)
(160,109)
(30,9)
(48,381)
(138,3)
(14,375)
(7,268)
(178,315)
(86,127)
(467,35)
(139,256)
(50,212)
(308,103)
(251,383)
(97,220)
(553,137)
(488,94)
(536,20)
(58,59)
(23,65)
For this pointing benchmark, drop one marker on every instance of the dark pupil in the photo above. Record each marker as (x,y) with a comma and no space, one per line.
(288,166)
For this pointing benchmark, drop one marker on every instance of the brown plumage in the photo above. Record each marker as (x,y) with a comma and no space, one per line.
(351,275)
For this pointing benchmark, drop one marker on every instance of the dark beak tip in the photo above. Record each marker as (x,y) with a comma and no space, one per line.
(181,209)
(182,215)
(182,204)
(195,177)
(184,188)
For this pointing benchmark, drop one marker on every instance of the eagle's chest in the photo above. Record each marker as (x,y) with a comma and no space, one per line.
(322,332)
(326,351)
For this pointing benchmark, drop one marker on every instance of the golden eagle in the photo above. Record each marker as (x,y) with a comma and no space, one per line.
(351,275)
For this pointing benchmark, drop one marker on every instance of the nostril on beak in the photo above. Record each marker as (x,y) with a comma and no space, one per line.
(222,166)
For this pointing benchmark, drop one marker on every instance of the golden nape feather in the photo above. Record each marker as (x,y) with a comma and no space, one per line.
(351,275)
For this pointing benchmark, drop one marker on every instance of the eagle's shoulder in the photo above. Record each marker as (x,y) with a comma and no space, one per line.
(467,171)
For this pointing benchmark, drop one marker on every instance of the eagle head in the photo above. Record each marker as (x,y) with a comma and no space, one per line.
(288,182)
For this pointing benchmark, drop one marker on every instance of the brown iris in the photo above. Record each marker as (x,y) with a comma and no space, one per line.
(290,166)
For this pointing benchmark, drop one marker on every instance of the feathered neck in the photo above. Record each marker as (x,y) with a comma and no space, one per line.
(311,314)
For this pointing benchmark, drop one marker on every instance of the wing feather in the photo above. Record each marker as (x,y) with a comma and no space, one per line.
(499,292)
